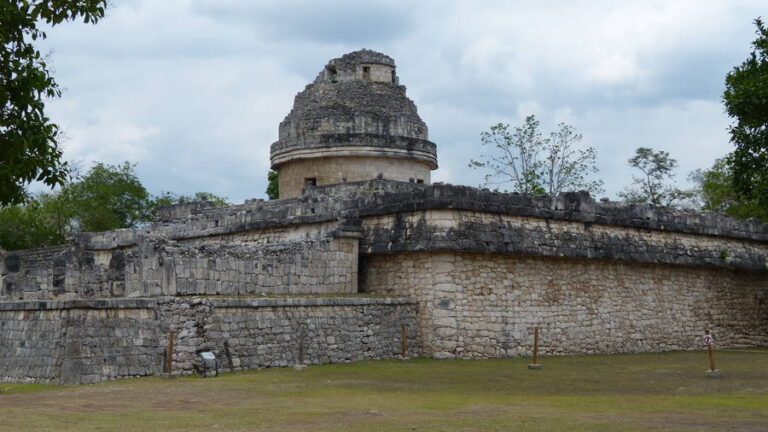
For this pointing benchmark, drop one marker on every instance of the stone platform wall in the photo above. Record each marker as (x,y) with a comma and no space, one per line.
(94,340)
(155,268)
(327,266)
(270,332)
(463,230)
(486,305)
(78,341)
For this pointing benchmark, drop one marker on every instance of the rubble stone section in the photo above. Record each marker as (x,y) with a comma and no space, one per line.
(83,341)
(474,305)
(274,332)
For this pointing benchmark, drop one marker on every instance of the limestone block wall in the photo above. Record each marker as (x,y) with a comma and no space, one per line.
(326,266)
(486,305)
(243,264)
(377,73)
(270,332)
(71,342)
(67,272)
(333,170)
(453,229)
(82,341)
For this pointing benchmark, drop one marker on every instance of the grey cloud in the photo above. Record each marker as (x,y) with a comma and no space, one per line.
(328,22)
(214,80)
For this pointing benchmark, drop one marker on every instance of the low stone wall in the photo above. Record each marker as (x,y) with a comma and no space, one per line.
(486,305)
(85,341)
(270,332)
(82,341)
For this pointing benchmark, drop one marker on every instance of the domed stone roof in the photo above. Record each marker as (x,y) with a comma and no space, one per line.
(355,107)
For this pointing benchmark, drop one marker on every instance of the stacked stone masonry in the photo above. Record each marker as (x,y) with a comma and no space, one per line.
(85,341)
(468,272)
(475,305)
(361,249)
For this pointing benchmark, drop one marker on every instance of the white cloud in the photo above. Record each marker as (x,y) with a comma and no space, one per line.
(194,90)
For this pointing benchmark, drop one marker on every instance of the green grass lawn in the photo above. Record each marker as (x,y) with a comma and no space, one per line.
(639,392)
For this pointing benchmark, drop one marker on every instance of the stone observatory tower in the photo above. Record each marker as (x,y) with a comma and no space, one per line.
(354,122)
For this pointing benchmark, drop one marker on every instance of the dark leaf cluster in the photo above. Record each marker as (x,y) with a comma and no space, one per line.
(29,148)
(107,197)
(746,101)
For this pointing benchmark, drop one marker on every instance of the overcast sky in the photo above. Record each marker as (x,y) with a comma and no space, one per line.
(193,90)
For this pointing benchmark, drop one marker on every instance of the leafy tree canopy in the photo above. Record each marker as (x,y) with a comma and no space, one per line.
(28,139)
(532,163)
(170,198)
(654,185)
(746,101)
(714,188)
(107,197)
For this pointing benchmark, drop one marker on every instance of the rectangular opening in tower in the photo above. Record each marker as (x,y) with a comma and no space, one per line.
(310,181)
(367,73)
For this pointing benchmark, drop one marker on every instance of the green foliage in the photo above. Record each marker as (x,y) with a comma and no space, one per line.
(531,163)
(716,192)
(107,197)
(652,186)
(746,101)
(169,198)
(40,222)
(273,186)
(28,139)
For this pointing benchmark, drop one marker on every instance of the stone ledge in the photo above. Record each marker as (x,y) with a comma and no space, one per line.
(150,303)
(370,198)
(113,303)
(308,301)
(355,144)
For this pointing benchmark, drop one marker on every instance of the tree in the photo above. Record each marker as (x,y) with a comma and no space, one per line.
(531,163)
(39,222)
(29,140)
(746,101)
(170,198)
(714,188)
(107,197)
(273,186)
(657,169)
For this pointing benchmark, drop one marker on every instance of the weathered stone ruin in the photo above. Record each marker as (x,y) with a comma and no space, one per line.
(362,249)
